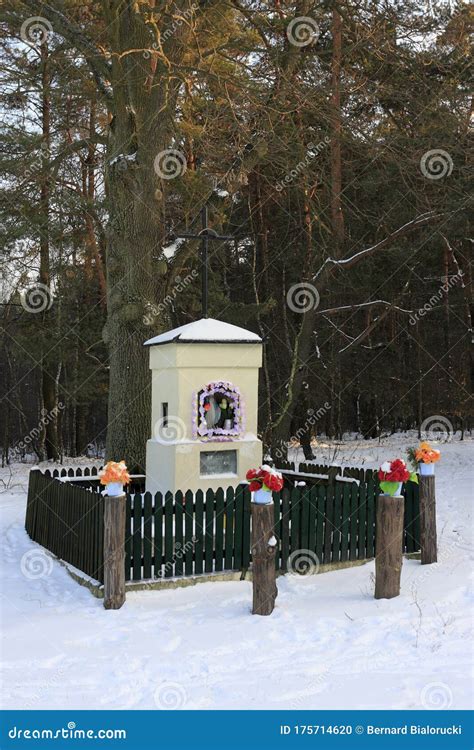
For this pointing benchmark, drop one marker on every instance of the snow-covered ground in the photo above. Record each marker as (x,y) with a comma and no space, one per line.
(329,644)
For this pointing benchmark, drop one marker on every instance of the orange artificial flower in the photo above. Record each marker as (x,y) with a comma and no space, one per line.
(426,454)
(115,471)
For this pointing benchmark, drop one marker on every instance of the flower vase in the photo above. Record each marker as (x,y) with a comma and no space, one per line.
(114,489)
(397,492)
(426,470)
(262,497)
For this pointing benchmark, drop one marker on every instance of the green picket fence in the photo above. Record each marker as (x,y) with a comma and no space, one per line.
(68,520)
(190,534)
(183,535)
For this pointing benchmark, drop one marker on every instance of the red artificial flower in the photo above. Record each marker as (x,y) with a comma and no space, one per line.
(398,472)
(251,474)
(273,481)
(254,486)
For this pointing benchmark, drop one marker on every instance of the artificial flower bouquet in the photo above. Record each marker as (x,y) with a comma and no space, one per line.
(424,458)
(114,475)
(392,475)
(263,481)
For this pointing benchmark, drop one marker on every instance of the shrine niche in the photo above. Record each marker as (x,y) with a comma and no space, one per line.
(218,412)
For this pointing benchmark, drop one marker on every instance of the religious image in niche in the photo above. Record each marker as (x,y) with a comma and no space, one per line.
(218,412)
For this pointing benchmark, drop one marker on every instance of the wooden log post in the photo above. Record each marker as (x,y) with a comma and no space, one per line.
(114,551)
(388,552)
(263,560)
(428,520)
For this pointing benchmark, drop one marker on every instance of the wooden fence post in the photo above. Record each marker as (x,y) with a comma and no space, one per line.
(333,472)
(114,551)
(427,520)
(388,552)
(263,560)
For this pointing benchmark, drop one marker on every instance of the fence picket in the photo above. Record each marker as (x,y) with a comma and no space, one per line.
(169,547)
(295,543)
(188,532)
(158,535)
(147,534)
(285,528)
(219,562)
(362,521)
(178,534)
(313,508)
(246,529)
(336,536)
(328,524)
(354,501)
(238,526)
(128,538)
(371,495)
(321,493)
(277,527)
(229,528)
(199,533)
(209,532)
(304,517)
(346,512)
(137,537)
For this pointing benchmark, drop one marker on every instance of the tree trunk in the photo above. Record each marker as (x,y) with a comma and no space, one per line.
(337,219)
(133,237)
(427,520)
(114,551)
(263,560)
(389,536)
(48,380)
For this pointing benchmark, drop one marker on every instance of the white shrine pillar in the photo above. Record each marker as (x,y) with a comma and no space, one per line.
(204,407)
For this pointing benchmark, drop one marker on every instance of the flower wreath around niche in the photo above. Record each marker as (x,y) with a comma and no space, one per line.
(218,412)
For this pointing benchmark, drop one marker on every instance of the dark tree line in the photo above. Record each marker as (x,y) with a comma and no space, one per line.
(331,141)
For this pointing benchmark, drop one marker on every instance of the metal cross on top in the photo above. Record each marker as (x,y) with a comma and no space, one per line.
(205,235)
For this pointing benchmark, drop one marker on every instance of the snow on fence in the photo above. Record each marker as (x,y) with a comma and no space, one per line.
(68,520)
(189,534)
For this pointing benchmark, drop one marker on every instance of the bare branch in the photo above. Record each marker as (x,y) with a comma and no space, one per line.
(352,260)
(331,310)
